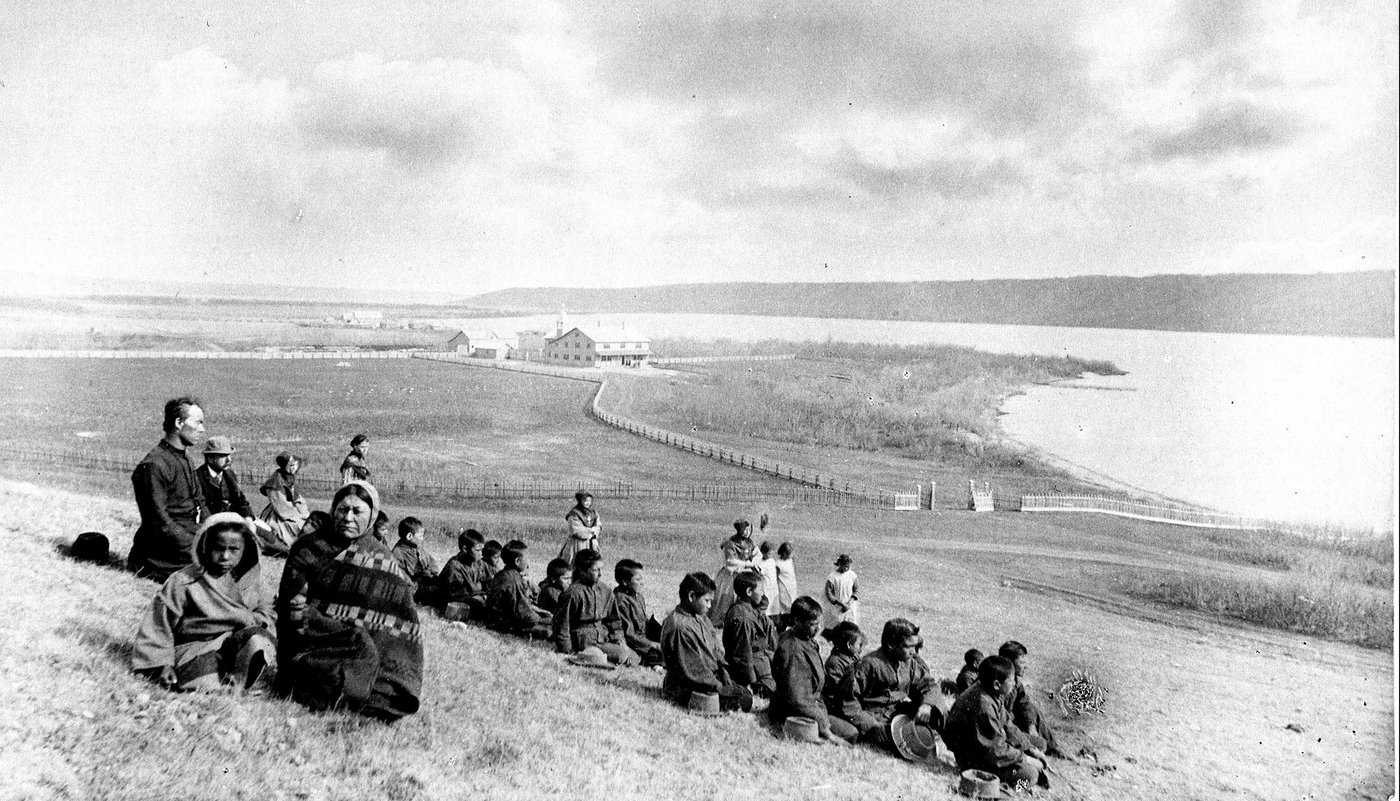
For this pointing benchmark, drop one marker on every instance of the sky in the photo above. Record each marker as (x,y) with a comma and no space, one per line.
(465,147)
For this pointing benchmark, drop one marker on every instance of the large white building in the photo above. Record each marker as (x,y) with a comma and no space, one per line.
(596,346)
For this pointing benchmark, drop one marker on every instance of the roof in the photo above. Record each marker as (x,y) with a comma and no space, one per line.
(601,334)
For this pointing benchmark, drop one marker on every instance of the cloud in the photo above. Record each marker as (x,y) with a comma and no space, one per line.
(1222,130)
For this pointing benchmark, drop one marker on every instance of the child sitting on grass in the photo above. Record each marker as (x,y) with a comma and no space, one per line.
(968,675)
(587,616)
(799,678)
(691,650)
(491,558)
(845,642)
(510,599)
(632,611)
(463,578)
(552,587)
(416,562)
(209,625)
(748,636)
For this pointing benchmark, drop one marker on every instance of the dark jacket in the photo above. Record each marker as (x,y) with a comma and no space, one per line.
(419,566)
(1028,718)
(464,582)
(549,595)
(171,506)
(748,645)
(509,602)
(222,495)
(690,651)
(838,667)
(586,616)
(798,675)
(631,612)
(880,688)
(980,733)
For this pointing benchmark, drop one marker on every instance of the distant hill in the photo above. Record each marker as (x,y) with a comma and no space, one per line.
(1325,304)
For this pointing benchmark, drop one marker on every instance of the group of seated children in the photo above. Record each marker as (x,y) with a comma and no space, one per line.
(209,626)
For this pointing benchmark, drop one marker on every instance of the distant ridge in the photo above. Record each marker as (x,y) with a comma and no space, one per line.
(1360,304)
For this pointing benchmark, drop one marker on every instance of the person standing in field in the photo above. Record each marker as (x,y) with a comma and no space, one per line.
(584,528)
(768,568)
(168,496)
(739,552)
(842,595)
(787,586)
(355,468)
(286,511)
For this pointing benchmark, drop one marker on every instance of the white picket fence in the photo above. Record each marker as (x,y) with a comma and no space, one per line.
(1138,511)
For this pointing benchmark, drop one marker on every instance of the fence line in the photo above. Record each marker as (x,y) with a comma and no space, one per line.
(338,355)
(1137,510)
(660,360)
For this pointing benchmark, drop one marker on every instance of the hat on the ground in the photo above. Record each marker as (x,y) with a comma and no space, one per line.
(704,704)
(593,657)
(91,546)
(979,784)
(843,559)
(801,729)
(912,740)
(218,446)
(457,611)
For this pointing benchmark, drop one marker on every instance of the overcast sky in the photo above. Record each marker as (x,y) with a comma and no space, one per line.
(473,146)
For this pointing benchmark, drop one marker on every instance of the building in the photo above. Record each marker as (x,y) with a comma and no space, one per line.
(371,319)
(596,346)
(483,344)
(531,345)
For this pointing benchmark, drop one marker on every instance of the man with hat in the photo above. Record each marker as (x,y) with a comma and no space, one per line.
(168,495)
(219,482)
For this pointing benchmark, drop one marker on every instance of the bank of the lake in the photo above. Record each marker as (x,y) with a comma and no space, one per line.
(1285,427)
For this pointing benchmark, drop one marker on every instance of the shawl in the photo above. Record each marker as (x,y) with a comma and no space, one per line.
(358,642)
(282,483)
(588,517)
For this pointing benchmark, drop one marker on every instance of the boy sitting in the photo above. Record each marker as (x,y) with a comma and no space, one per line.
(555,582)
(510,599)
(587,616)
(491,558)
(798,675)
(968,675)
(632,611)
(890,680)
(690,650)
(845,642)
(748,636)
(980,732)
(463,578)
(416,562)
(209,625)
(1024,711)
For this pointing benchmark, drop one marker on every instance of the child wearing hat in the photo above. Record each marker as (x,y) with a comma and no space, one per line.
(208,627)
(842,594)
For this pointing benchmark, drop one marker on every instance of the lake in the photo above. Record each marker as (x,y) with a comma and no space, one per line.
(1283,427)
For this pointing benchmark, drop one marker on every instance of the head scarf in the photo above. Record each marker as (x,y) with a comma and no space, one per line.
(239,523)
(373,501)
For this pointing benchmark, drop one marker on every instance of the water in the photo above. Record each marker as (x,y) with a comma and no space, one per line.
(1283,427)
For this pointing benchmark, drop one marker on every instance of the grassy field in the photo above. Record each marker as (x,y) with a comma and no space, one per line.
(1195,709)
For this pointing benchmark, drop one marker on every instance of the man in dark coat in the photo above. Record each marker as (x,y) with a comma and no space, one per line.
(168,496)
(887,681)
(219,482)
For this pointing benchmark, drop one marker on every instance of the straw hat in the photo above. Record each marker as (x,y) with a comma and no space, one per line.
(593,657)
(218,446)
(704,704)
(912,740)
(457,611)
(979,784)
(801,729)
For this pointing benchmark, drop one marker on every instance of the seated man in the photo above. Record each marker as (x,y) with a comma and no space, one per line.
(887,681)
(981,735)
(1024,711)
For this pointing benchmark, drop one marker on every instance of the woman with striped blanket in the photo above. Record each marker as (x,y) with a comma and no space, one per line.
(346,620)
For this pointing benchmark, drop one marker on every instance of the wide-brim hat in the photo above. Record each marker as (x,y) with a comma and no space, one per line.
(802,729)
(979,784)
(457,611)
(593,657)
(912,740)
(218,446)
(91,546)
(703,704)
